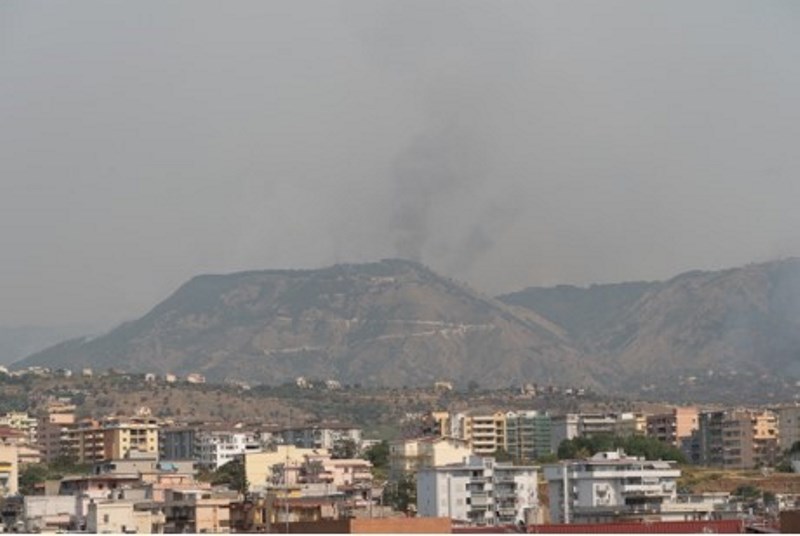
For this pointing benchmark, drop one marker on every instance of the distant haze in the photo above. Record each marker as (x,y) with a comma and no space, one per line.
(503,143)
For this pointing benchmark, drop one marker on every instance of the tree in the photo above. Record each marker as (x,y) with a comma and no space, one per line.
(502,455)
(378,455)
(648,447)
(32,475)
(344,449)
(402,494)
(231,474)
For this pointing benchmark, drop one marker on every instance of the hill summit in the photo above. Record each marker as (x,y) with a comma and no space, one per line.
(393,323)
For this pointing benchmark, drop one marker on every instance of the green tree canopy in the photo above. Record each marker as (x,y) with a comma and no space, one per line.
(648,447)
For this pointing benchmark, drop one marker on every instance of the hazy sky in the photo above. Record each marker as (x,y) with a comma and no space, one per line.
(503,143)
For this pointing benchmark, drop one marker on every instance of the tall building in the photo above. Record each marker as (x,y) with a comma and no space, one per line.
(673,427)
(788,426)
(53,428)
(113,438)
(478,491)
(737,439)
(487,432)
(610,486)
(528,435)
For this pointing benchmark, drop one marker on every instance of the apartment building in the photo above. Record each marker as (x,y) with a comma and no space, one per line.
(528,435)
(487,433)
(319,437)
(563,428)
(52,430)
(177,443)
(215,448)
(113,438)
(407,456)
(673,427)
(478,491)
(788,426)
(608,487)
(736,439)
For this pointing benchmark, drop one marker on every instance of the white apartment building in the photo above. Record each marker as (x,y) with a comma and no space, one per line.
(478,491)
(611,486)
(213,449)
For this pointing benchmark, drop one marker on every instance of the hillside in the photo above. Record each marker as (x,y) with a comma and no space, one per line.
(390,323)
(740,327)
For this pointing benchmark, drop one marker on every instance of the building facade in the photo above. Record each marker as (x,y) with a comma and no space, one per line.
(479,491)
(673,427)
(610,486)
(736,439)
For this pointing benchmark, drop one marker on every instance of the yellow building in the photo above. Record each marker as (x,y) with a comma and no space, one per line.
(276,468)
(486,433)
(90,441)
(9,470)
(123,435)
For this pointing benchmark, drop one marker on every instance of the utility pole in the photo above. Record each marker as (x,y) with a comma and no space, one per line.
(286,478)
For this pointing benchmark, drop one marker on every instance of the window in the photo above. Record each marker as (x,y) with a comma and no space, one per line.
(106,518)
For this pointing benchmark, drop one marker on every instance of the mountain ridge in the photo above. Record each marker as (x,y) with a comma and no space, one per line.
(396,322)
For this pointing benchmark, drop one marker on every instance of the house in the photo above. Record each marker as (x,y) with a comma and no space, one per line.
(122,516)
(195,378)
(48,513)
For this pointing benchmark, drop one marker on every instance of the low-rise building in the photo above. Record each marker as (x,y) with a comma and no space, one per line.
(479,491)
(121,516)
(48,513)
(198,511)
(278,467)
(9,470)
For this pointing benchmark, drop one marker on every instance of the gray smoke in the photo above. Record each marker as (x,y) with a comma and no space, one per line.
(432,177)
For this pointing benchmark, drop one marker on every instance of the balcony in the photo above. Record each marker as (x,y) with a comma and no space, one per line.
(648,490)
